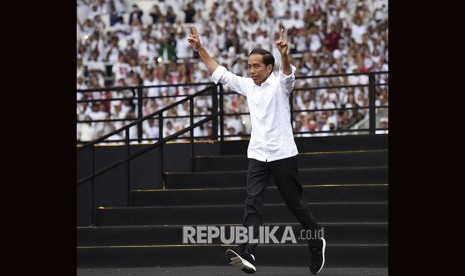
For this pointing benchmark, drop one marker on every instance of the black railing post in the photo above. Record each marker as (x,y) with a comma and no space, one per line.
(160,148)
(221,114)
(191,118)
(93,184)
(372,102)
(128,176)
(214,110)
(140,103)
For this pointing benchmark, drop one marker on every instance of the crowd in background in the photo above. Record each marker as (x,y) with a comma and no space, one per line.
(141,42)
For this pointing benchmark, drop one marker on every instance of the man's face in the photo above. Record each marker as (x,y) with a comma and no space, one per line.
(258,71)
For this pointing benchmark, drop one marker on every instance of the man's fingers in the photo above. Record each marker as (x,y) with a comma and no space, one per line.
(281,43)
(193,30)
(281,36)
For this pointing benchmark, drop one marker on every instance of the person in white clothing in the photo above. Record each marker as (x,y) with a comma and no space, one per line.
(272,150)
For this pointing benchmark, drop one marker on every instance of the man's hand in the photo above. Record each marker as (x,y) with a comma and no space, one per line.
(194,39)
(281,44)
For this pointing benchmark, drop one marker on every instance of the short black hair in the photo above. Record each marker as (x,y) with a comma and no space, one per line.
(268,58)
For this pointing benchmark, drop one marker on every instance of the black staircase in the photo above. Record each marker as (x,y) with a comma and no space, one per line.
(345,182)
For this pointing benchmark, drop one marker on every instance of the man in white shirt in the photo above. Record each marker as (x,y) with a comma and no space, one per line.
(272,150)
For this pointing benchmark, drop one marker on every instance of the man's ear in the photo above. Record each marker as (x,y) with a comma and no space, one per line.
(269,68)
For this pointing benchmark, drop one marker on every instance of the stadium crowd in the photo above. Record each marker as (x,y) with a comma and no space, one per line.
(144,42)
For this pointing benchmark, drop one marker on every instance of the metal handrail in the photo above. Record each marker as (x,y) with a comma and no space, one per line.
(104,137)
(161,141)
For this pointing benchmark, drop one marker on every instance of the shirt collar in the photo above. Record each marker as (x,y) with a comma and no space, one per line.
(271,78)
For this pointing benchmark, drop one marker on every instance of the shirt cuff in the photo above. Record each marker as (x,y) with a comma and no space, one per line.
(282,75)
(218,73)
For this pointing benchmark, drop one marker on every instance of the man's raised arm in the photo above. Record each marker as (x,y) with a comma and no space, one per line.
(283,46)
(194,40)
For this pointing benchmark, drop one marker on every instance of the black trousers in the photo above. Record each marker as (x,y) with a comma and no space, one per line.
(286,177)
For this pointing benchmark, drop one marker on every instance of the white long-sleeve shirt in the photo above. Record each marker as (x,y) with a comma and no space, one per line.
(271,137)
